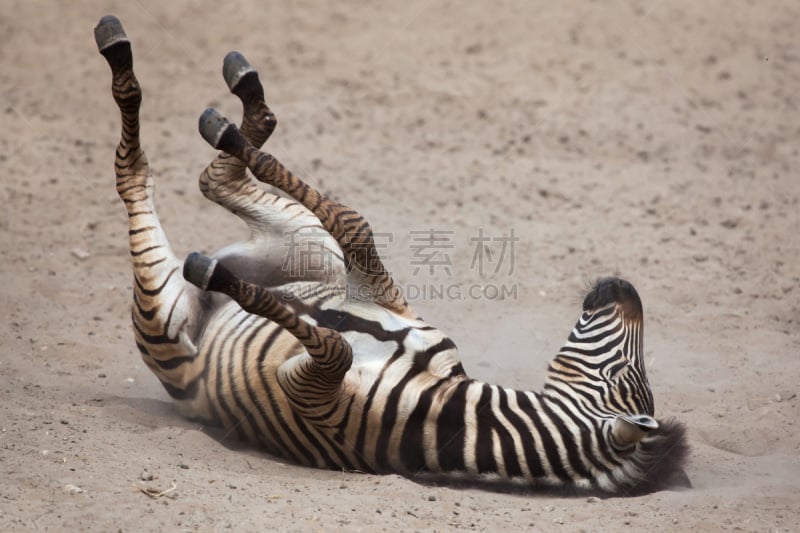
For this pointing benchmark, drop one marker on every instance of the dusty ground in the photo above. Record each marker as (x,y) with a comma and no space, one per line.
(654,140)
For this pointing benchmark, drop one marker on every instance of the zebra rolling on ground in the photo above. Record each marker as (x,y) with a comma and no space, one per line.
(335,370)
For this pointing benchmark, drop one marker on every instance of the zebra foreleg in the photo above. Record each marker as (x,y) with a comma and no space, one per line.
(366,272)
(166,308)
(312,382)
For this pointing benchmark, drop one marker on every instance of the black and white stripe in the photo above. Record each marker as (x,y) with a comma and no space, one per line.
(325,379)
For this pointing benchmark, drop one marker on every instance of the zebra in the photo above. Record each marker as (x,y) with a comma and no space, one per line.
(335,369)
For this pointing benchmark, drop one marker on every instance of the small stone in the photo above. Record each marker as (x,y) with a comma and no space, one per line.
(184,466)
(431,498)
(784,396)
(592,499)
(101,375)
(80,254)
(65,422)
(69,488)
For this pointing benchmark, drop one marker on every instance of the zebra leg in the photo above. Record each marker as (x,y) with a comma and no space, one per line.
(353,233)
(312,383)
(287,241)
(224,181)
(165,306)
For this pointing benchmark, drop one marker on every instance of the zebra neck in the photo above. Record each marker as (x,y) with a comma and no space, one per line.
(479,428)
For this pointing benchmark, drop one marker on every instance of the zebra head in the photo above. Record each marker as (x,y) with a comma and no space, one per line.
(600,369)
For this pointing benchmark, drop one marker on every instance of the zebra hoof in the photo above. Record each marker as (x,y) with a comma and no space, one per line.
(109,32)
(198,269)
(235,68)
(214,127)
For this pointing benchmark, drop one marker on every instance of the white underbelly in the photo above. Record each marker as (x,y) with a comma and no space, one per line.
(369,356)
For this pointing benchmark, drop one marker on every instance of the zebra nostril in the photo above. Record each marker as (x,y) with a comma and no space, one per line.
(644,422)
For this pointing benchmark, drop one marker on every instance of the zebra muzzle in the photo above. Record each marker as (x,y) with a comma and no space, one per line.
(631,429)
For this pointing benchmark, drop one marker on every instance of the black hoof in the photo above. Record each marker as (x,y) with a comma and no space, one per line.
(220,133)
(213,126)
(198,269)
(109,32)
(234,69)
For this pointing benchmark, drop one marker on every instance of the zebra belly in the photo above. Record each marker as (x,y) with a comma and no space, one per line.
(239,388)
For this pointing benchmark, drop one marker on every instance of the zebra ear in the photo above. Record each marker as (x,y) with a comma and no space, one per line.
(630,429)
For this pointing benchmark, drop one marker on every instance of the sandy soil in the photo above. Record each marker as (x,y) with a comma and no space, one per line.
(658,141)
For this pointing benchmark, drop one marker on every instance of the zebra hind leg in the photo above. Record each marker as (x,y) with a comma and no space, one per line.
(287,242)
(311,382)
(166,309)
(224,179)
(367,275)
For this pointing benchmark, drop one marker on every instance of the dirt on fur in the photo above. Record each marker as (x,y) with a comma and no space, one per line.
(548,144)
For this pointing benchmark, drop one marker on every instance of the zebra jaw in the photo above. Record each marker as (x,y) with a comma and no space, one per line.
(630,430)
